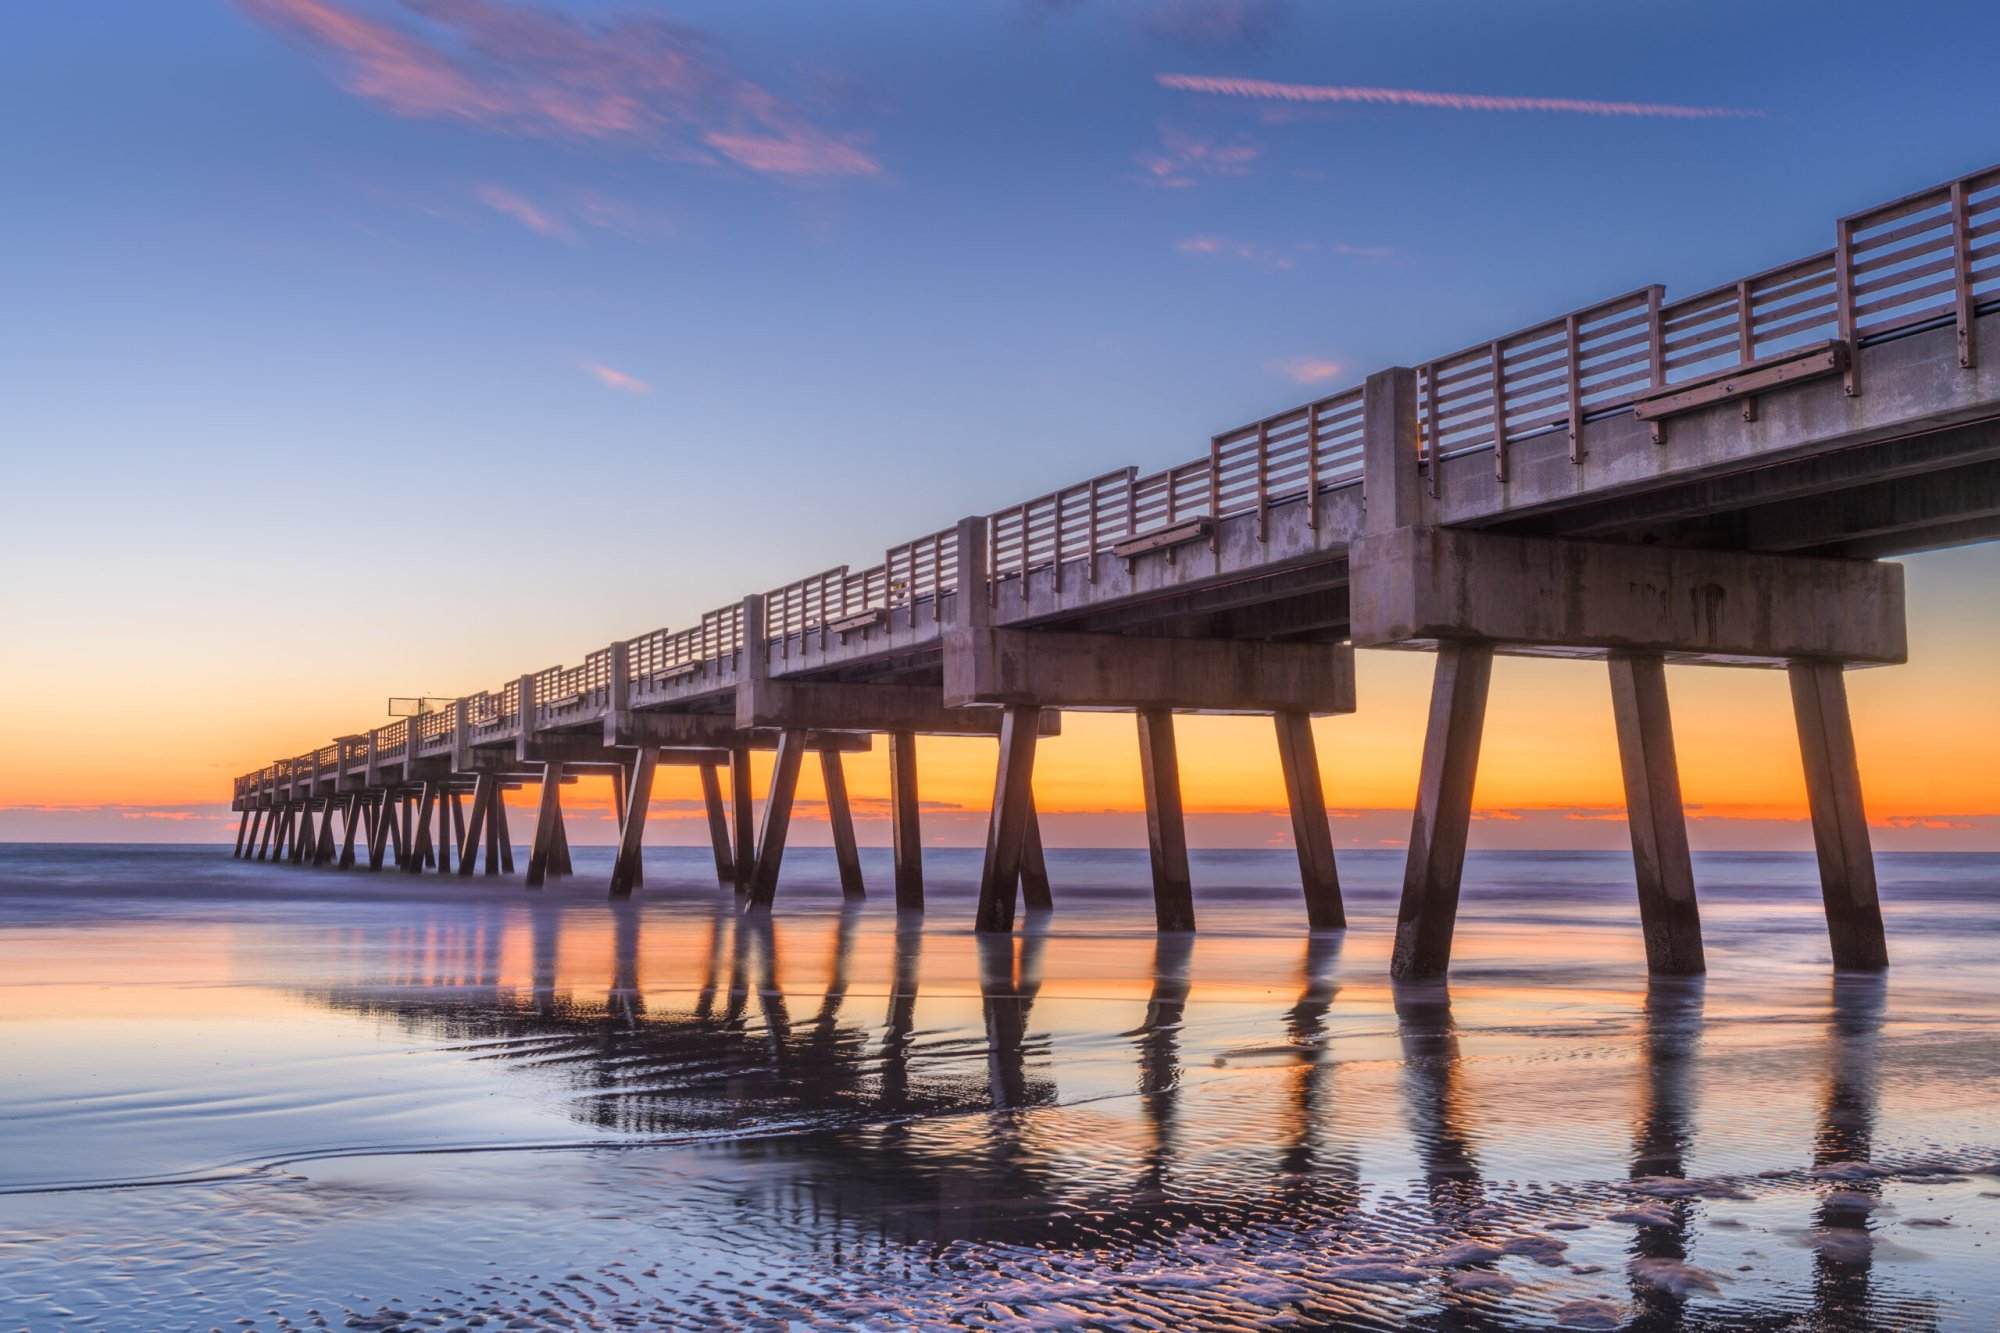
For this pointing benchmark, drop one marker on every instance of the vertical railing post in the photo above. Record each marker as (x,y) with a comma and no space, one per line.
(1263,481)
(1090,553)
(1215,492)
(1497,379)
(1059,541)
(1429,448)
(524,719)
(1312,467)
(461,736)
(1843,288)
(1656,354)
(1573,342)
(1961,247)
(370,773)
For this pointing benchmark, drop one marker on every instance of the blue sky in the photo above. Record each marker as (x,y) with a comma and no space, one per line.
(603,314)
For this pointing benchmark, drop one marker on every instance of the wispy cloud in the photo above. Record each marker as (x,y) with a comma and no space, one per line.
(509,204)
(1218,22)
(1250,252)
(618,379)
(520,69)
(1309,369)
(1265,90)
(1184,158)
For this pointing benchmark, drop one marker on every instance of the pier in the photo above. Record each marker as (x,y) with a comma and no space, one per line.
(1714,479)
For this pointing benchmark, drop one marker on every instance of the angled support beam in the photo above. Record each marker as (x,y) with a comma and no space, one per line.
(548,823)
(1436,857)
(485,789)
(442,844)
(350,823)
(559,860)
(1007,825)
(845,853)
(905,827)
(382,824)
(307,835)
(1840,824)
(777,818)
(420,846)
(1660,859)
(636,797)
(1035,892)
(496,819)
(744,823)
(506,837)
(262,837)
(327,849)
(1318,874)
(718,824)
(621,784)
(1166,826)
(242,828)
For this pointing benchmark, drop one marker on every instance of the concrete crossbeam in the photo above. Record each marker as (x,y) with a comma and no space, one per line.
(1061,670)
(917,709)
(1416,587)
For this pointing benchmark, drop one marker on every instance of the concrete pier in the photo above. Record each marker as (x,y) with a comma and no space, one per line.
(1712,479)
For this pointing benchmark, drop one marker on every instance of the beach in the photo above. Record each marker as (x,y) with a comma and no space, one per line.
(239,1096)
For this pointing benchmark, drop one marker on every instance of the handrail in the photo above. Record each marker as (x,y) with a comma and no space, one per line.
(1926,258)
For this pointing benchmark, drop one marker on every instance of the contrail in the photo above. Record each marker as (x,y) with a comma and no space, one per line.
(1313,92)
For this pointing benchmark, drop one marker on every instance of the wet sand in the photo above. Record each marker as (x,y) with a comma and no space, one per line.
(243,1096)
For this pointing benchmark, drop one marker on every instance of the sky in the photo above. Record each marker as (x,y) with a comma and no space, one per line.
(367,347)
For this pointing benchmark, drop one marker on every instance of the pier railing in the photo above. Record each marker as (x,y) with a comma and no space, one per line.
(1926,260)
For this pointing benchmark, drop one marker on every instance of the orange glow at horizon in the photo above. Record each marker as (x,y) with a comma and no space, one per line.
(1926,733)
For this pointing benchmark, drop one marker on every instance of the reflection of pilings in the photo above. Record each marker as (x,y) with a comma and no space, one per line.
(899,1028)
(1159,1042)
(1305,1026)
(1842,1262)
(625,1002)
(544,931)
(1663,1132)
(1010,976)
(1434,1095)
(719,920)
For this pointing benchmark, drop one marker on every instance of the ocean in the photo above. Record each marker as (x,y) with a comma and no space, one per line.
(250,1096)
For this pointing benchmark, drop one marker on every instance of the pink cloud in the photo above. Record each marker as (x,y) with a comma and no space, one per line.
(1183,158)
(1249,251)
(518,69)
(504,201)
(1217,22)
(619,380)
(1309,369)
(1308,92)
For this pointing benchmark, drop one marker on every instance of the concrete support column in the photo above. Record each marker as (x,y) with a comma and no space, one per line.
(1660,859)
(548,822)
(1035,892)
(1840,825)
(380,822)
(242,828)
(625,869)
(777,817)
(1318,874)
(743,816)
(504,833)
(559,861)
(307,836)
(1166,826)
(350,822)
(1013,800)
(718,824)
(495,816)
(905,828)
(447,802)
(1443,811)
(1392,487)
(845,852)
(485,788)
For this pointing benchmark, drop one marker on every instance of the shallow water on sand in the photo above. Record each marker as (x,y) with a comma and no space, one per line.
(240,1095)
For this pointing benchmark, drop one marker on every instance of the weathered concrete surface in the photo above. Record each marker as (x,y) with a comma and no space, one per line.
(1660,858)
(918,709)
(1062,670)
(1840,824)
(1416,587)
(1428,912)
(1908,385)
